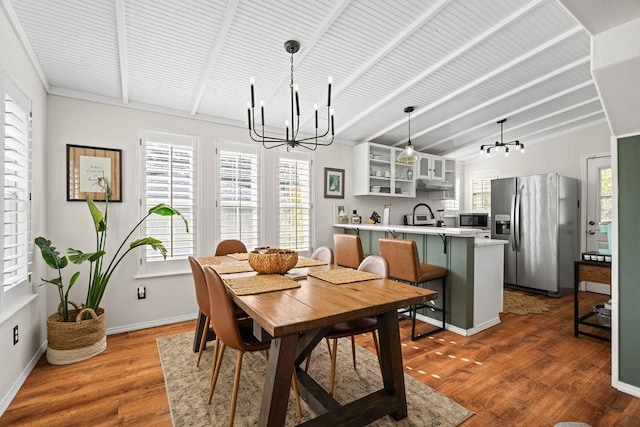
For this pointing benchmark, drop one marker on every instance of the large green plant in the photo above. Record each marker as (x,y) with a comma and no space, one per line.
(100,269)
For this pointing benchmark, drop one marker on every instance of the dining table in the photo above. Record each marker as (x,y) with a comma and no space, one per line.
(298,318)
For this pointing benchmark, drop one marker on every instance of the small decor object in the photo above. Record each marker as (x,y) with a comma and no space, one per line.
(333,183)
(88,168)
(355,218)
(340,215)
(272,260)
(75,335)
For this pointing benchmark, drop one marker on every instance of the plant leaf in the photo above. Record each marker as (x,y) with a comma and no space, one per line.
(73,279)
(166,210)
(78,257)
(50,254)
(150,241)
(96,214)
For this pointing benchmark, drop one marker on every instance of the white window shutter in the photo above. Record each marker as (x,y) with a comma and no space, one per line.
(294,200)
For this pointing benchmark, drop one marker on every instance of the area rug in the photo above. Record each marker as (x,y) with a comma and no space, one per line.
(188,387)
(519,303)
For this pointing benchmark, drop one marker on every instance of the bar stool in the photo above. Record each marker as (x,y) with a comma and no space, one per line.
(404,265)
(348,250)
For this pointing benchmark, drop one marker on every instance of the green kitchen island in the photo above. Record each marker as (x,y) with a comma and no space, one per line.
(476,271)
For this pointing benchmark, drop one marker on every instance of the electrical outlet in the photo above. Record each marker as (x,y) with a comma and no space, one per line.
(15,335)
(142,292)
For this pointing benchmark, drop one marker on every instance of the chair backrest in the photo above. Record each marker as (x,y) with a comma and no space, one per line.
(230,246)
(348,250)
(223,315)
(402,256)
(324,254)
(375,264)
(202,293)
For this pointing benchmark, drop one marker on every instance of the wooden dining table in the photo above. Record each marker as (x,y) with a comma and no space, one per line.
(298,319)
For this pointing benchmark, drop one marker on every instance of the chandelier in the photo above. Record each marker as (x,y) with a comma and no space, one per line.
(497,146)
(409,155)
(291,139)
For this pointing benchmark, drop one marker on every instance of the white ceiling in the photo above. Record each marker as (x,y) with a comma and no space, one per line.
(464,64)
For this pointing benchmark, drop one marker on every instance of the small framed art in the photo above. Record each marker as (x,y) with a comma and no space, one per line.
(334,183)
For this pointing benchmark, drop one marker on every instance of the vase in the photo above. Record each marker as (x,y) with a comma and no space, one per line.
(77,340)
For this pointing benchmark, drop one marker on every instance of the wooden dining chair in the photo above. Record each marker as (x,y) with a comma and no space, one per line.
(348,250)
(235,333)
(404,265)
(230,246)
(324,254)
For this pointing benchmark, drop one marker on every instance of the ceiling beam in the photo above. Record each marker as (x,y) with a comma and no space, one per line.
(122,50)
(539,49)
(24,40)
(505,95)
(215,54)
(382,53)
(444,61)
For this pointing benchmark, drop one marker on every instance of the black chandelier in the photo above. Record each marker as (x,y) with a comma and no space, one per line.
(497,146)
(310,143)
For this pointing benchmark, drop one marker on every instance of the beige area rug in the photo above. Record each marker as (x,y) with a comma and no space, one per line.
(519,303)
(188,387)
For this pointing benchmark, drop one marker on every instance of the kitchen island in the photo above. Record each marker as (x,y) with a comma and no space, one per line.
(476,270)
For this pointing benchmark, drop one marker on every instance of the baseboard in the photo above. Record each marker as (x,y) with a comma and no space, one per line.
(8,398)
(151,324)
(456,329)
(627,388)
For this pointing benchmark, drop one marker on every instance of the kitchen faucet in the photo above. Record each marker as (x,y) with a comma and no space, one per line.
(418,205)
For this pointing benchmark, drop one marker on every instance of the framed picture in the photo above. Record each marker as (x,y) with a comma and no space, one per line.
(340,213)
(334,183)
(90,169)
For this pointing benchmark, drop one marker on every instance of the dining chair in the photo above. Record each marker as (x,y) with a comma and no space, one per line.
(235,333)
(202,297)
(404,265)
(348,250)
(324,254)
(230,246)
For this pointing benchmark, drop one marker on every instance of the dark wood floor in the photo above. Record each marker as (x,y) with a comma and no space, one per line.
(527,371)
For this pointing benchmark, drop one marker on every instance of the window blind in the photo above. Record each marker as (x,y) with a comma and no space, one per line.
(294,199)
(17,249)
(239,201)
(170,178)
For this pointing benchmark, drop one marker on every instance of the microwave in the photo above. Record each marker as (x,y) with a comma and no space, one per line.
(474,220)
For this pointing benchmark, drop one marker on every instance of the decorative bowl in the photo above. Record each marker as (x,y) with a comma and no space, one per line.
(272,260)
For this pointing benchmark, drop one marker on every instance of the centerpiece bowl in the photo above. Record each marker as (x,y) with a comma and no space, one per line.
(272,260)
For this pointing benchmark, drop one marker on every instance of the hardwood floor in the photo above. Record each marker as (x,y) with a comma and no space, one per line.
(529,370)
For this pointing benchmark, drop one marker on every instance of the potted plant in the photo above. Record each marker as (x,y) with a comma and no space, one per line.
(79,333)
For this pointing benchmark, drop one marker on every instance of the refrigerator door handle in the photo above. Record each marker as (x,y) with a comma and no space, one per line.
(512,240)
(517,223)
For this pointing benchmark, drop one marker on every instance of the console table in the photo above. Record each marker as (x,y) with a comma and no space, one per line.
(591,271)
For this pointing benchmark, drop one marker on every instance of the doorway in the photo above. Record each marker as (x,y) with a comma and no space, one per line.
(598,207)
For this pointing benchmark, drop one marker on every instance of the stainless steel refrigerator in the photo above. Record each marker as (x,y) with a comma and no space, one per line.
(539,216)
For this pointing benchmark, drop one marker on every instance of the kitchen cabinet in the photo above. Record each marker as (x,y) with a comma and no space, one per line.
(431,168)
(439,179)
(377,173)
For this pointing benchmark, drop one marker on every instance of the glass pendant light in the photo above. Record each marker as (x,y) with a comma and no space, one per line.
(409,155)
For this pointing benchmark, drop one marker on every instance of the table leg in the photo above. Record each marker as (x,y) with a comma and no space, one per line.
(275,397)
(199,331)
(391,362)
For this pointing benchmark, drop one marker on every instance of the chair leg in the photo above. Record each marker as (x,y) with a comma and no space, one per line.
(203,340)
(328,346)
(216,371)
(236,382)
(353,352)
(377,346)
(294,379)
(306,365)
(332,375)
(216,351)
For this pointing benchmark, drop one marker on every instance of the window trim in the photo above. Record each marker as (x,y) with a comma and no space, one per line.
(479,175)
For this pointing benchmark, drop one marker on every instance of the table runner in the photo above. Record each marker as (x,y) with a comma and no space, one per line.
(259,284)
(308,262)
(340,276)
(231,267)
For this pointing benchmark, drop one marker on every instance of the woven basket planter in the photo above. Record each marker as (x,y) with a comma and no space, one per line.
(272,260)
(71,342)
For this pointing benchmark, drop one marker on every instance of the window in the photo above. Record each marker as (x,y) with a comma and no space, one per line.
(169,177)
(17,248)
(452,206)
(480,190)
(294,201)
(605,194)
(239,201)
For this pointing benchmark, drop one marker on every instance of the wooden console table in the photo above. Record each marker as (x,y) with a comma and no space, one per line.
(591,271)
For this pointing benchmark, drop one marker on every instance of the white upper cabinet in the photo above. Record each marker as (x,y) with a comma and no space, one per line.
(377,173)
(431,168)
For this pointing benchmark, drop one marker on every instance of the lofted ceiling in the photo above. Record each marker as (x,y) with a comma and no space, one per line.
(464,64)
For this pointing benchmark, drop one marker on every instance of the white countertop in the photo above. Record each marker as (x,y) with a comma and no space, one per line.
(483,241)
(446,231)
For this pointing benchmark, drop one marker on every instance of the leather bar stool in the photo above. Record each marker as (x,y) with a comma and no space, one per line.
(404,265)
(348,250)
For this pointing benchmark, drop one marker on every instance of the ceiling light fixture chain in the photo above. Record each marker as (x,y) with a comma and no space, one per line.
(499,144)
(310,143)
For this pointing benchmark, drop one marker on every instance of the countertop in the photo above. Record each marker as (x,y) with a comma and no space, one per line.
(446,231)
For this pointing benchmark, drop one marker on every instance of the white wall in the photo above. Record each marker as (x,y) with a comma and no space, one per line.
(17,361)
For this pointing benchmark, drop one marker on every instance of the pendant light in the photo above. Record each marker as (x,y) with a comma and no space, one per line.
(498,145)
(409,155)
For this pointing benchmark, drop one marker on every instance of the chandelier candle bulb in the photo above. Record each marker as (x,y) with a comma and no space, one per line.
(249,114)
(315,106)
(295,88)
(252,81)
(262,112)
(329,80)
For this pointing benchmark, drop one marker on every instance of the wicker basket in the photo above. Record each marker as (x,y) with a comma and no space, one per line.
(71,342)
(272,260)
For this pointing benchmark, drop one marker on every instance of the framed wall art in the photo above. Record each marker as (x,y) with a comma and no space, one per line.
(89,169)
(334,183)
